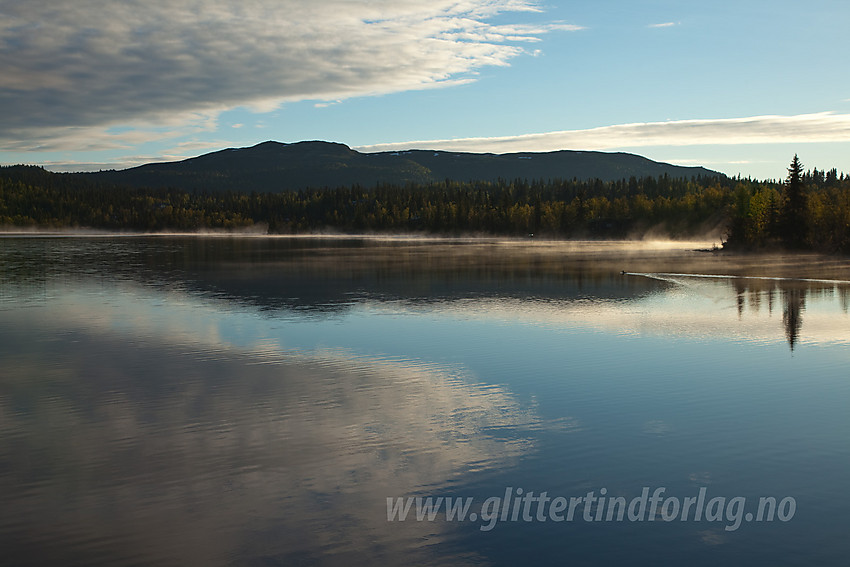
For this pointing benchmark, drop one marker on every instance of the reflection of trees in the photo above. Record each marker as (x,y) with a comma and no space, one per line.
(753,294)
(792,315)
(323,277)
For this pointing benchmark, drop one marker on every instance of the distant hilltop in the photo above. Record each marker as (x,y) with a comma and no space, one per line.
(275,166)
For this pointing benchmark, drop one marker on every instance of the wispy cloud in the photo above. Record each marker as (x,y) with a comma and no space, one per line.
(112,136)
(84,166)
(95,64)
(663,25)
(181,151)
(804,128)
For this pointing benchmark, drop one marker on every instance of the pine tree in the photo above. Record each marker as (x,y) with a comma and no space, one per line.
(794,230)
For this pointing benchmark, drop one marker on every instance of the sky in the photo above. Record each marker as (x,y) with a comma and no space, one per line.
(736,86)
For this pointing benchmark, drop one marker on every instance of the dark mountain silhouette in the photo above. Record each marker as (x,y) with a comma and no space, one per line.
(274,166)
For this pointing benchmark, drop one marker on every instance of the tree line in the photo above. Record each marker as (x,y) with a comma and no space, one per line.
(808,210)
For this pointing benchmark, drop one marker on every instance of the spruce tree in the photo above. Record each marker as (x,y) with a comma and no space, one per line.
(794,229)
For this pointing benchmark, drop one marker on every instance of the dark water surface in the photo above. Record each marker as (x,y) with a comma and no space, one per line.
(256,401)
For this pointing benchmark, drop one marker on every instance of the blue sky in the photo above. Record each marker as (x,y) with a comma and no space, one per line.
(739,87)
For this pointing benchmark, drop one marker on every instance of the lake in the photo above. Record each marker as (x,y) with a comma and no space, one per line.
(188,400)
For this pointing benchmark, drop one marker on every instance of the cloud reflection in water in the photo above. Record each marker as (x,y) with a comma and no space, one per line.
(122,449)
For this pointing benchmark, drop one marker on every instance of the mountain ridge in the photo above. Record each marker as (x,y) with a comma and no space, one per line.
(275,166)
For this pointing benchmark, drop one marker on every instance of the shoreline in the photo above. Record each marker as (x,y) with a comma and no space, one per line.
(663,243)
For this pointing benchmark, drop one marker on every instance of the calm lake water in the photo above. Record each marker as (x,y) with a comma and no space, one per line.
(256,401)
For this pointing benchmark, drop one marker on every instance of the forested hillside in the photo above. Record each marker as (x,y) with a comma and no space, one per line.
(274,167)
(32,197)
(809,210)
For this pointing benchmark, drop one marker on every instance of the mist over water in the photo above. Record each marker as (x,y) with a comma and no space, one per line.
(191,400)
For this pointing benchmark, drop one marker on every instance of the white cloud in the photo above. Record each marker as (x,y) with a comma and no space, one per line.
(111,136)
(83,166)
(181,151)
(803,128)
(95,64)
(663,25)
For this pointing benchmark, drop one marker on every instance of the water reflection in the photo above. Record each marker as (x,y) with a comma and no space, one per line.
(557,283)
(753,293)
(792,296)
(128,449)
(792,314)
(323,276)
(218,401)
(755,299)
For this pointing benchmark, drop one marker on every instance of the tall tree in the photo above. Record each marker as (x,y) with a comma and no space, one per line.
(794,229)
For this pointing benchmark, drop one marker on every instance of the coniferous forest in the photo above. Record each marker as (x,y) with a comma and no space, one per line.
(807,210)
